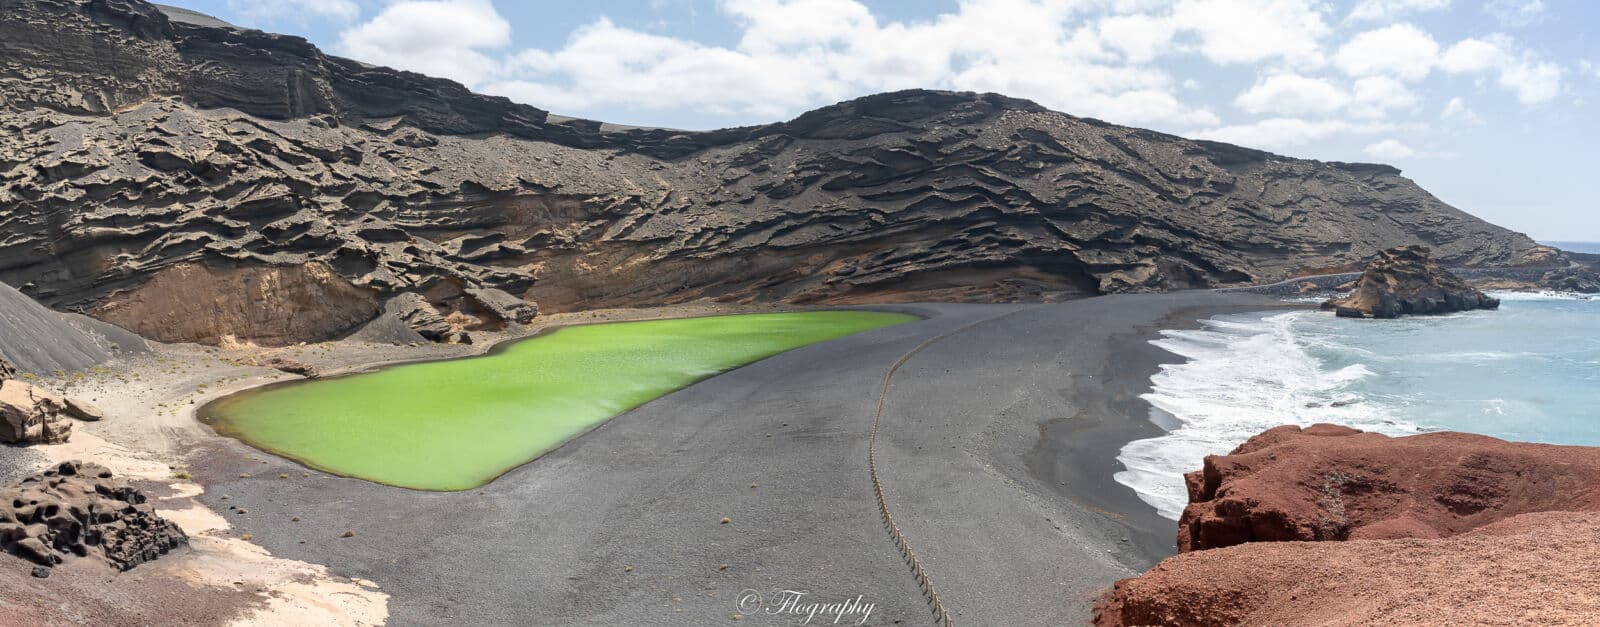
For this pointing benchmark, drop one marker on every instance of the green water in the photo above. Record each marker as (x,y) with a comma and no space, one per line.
(456,425)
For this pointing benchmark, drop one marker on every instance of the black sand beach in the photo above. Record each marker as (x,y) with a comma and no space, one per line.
(996,451)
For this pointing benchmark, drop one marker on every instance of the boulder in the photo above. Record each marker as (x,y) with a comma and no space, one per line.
(292,366)
(421,316)
(79,509)
(31,415)
(83,410)
(502,305)
(1330,525)
(1327,482)
(1407,281)
(1578,279)
(7,370)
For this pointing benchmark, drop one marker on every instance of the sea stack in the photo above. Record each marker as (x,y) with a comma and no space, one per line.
(1407,281)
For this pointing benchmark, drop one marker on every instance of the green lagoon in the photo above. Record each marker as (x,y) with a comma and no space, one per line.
(458,424)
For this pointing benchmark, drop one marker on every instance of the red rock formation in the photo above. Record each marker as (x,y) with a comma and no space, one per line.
(1533,569)
(1440,526)
(1327,482)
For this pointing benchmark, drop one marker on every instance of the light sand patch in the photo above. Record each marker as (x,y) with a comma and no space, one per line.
(295,593)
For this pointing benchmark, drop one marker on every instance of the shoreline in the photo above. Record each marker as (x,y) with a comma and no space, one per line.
(501,343)
(1078,454)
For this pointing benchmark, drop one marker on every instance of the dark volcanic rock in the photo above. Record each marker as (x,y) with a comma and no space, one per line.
(133,143)
(1578,279)
(80,509)
(1407,281)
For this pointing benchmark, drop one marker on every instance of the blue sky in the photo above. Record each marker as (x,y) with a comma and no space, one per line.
(1489,104)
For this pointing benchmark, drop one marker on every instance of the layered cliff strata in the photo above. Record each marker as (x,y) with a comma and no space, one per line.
(1408,281)
(133,144)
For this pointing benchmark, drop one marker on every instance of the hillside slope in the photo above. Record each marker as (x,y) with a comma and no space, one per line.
(137,148)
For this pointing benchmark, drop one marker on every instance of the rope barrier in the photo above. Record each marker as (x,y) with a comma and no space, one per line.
(941,615)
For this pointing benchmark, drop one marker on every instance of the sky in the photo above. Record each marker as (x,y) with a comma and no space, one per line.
(1492,105)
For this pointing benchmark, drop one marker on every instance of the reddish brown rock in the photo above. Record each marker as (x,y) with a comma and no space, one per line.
(1407,281)
(31,415)
(1533,569)
(1327,482)
(1333,526)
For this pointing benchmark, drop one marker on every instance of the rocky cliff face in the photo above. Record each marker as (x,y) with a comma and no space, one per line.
(133,143)
(1408,281)
(1332,526)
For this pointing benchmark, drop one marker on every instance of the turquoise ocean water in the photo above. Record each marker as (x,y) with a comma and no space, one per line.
(1530,372)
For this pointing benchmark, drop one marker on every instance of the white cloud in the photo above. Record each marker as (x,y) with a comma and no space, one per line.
(1456,111)
(1517,12)
(1250,31)
(1292,95)
(1475,55)
(1384,10)
(1400,50)
(1097,58)
(449,38)
(1376,96)
(1280,133)
(801,53)
(278,10)
(1389,149)
(1532,80)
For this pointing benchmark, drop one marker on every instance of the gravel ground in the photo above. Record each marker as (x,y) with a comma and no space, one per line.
(623,525)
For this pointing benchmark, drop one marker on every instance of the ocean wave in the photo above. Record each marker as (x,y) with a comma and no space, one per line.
(1241,375)
(1541,295)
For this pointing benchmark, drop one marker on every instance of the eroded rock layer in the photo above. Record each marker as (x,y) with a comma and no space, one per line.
(131,144)
(80,510)
(1408,281)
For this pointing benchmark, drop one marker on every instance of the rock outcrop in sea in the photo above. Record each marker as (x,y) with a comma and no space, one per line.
(292,195)
(1408,281)
(80,510)
(1330,525)
(1576,279)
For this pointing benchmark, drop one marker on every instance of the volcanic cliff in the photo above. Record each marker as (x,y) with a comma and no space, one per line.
(191,180)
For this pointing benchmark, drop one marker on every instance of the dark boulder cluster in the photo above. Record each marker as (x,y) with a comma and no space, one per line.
(1408,281)
(1576,279)
(78,509)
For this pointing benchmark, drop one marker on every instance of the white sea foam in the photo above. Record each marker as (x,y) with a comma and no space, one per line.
(1241,375)
(1541,295)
